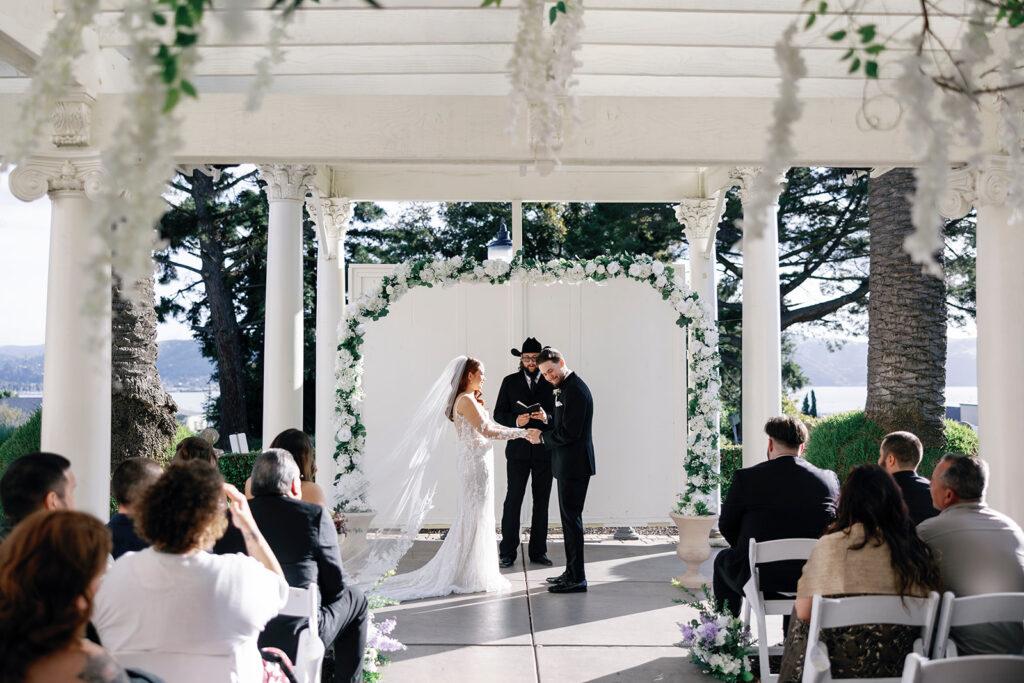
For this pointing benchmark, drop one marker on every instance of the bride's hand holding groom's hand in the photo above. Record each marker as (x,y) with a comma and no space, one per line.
(533,436)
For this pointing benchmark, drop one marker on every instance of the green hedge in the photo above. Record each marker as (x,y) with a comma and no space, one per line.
(844,440)
(237,467)
(732,460)
(23,441)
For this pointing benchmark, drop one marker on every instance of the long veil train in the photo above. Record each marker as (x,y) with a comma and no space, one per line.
(401,484)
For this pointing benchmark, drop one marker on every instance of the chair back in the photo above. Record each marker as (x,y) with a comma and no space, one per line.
(979,668)
(867,609)
(973,609)
(763,553)
(309,655)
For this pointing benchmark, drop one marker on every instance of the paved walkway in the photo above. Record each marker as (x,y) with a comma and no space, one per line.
(623,629)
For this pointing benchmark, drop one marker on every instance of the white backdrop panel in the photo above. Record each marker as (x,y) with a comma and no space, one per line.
(620,336)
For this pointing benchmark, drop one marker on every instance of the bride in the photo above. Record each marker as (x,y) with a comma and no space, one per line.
(467,561)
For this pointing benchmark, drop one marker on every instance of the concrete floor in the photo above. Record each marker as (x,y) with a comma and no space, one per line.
(624,629)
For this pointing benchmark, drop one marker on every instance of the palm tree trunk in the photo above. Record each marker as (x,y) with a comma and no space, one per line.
(906,321)
(142,414)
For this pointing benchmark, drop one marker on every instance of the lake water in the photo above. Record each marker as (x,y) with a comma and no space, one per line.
(840,399)
(193,401)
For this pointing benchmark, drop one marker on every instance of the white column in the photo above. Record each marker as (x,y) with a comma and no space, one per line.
(282,344)
(332,223)
(1000,301)
(762,333)
(700,218)
(76,370)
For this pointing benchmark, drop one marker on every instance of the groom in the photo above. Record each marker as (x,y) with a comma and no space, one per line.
(572,461)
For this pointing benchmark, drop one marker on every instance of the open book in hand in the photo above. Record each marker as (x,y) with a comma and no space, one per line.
(523,409)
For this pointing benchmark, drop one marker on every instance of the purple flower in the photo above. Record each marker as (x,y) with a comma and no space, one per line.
(688,634)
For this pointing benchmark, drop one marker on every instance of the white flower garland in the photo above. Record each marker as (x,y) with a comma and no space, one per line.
(702,396)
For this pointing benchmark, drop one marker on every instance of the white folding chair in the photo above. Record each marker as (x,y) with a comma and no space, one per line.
(980,668)
(973,609)
(309,656)
(762,553)
(867,609)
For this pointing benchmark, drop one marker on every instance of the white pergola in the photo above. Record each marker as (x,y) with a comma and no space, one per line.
(411,103)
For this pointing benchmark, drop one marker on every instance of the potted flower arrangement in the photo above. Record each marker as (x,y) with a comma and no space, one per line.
(719,643)
(378,637)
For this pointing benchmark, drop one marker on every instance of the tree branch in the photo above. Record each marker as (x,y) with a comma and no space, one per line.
(816,311)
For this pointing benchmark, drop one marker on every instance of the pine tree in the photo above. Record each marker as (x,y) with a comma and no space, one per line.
(814,405)
(805,408)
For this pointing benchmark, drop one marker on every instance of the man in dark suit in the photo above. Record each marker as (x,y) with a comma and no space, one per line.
(572,461)
(524,460)
(129,484)
(900,455)
(303,538)
(784,497)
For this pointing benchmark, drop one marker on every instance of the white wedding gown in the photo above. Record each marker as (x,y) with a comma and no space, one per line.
(467,561)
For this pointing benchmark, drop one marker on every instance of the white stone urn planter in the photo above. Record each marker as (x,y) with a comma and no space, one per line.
(354,539)
(693,547)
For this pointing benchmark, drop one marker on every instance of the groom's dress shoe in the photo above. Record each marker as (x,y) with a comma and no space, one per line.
(542,559)
(561,578)
(572,587)
(506,562)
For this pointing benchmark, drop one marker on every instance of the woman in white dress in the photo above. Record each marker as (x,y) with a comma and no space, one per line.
(467,561)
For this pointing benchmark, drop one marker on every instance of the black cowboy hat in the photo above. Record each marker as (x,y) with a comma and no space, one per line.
(531,345)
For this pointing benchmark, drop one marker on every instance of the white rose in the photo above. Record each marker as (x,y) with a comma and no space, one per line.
(660,282)
(427,275)
(591,267)
(553,263)
(634,270)
(658,267)
(614,267)
(479,271)
(456,261)
(344,435)
(601,269)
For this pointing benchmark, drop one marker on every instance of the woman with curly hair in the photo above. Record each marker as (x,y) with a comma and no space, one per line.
(297,442)
(871,549)
(174,608)
(50,568)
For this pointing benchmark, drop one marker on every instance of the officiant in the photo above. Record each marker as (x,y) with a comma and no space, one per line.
(518,397)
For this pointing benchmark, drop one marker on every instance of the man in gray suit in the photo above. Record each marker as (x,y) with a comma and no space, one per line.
(978,549)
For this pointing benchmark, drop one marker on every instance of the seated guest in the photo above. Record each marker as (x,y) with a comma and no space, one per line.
(978,549)
(179,611)
(197,448)
(50,568)
(303,538)
(130,481)
(900,455)
(784,497)
(871,549)
(37,481)
(296,442)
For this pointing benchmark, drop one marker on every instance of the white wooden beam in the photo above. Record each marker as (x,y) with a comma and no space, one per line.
(23,29)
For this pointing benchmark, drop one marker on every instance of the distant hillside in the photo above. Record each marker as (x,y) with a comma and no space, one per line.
(180,364)
(848,366)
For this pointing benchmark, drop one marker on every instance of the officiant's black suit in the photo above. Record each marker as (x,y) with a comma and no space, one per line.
(523,461)
(572,464)
(786,497)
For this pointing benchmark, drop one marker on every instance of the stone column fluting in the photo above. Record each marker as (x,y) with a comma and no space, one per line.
(700,218)
(77,365)
(333,216)
(282,346)
(762,327)
(1000,304)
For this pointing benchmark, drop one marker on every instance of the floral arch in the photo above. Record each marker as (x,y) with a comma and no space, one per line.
(703,360)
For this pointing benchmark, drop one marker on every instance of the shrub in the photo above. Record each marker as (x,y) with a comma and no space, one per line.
(236,467)
(844,440)
(6,431)
(24,440)
(732,460)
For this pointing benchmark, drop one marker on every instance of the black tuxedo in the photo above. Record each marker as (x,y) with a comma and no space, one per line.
(917,495)
(525,461)
(572,463)
(122,532)
(303,538)
(786,497)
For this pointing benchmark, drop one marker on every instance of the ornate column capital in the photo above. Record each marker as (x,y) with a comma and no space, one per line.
(72,121)
(332,216)
(987,184)
(287,181)
(39,175)
(742,177)
(700,217)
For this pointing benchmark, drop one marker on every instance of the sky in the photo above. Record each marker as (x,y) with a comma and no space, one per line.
(24,246)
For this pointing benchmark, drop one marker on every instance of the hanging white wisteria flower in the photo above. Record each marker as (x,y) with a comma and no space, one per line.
(940,91)
(541,71)
(701,455)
